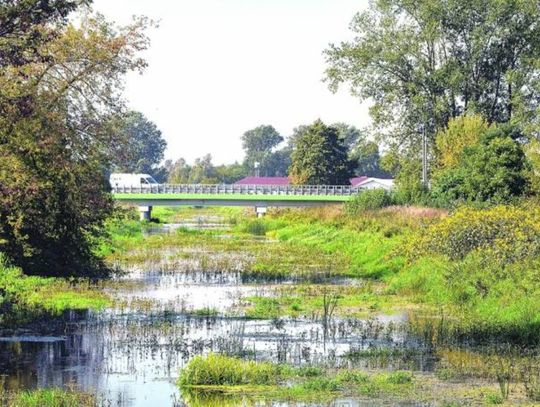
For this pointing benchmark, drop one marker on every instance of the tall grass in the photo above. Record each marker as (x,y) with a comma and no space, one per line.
(47,398)
(219,370)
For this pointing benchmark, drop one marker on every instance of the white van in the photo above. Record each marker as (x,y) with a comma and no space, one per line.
(131,180)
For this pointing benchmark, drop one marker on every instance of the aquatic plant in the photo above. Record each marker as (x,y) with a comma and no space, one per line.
(222,370)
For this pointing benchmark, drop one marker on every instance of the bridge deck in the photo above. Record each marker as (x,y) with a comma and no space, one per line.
(228,197)
(237,190)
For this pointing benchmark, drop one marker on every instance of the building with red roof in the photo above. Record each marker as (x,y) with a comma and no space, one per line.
(362,182)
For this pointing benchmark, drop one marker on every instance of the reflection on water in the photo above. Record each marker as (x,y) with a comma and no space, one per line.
(131,355)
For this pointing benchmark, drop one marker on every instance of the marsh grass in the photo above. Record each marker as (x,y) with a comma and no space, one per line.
(308,300)
(46,398)
(228,375)
(219,370)
(24,299)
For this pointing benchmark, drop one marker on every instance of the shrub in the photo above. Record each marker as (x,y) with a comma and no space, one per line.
(399,377)
(491,171)
(220,370)
(369,200)
(501,233)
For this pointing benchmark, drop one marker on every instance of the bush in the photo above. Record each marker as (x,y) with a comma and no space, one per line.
(399,377)
(369,200)
(491,171)
(255,227)
(220,370)
(501,233)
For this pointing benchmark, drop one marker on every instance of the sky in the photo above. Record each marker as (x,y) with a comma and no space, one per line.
(218,68)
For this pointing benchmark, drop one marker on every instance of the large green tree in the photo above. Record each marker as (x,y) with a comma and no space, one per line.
(423,62)
(366,154)
(494,169)
(144,146)
(320,157)
(260,145)
(60,87)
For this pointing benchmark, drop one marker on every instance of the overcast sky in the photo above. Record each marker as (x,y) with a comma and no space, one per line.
(221,67)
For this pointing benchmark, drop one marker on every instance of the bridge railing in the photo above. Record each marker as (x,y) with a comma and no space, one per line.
(340,190)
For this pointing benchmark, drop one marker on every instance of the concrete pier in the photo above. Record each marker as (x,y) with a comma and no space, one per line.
(145,213)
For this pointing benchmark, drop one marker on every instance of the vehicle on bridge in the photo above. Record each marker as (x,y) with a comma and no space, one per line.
(118,180)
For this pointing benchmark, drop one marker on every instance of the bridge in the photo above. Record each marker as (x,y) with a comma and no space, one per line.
(260,197)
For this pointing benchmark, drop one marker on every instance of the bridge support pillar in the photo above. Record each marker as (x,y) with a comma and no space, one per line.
(145,213)
(260,211)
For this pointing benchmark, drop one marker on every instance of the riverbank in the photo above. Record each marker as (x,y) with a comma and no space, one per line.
(29,299)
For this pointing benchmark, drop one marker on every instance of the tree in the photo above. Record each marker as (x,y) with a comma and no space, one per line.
(259,145)
(59,95)
(144,145)
(493,170)
(462,132)
(424,62)
(178,172)
(229,174)
(202,171)
(320,157)
(532,152)
(349,135)
(366,154)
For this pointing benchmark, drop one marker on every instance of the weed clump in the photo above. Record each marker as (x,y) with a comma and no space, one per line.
(220,370)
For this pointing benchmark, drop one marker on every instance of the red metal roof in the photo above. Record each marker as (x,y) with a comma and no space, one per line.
(264,181)
(358,180)
(285,181)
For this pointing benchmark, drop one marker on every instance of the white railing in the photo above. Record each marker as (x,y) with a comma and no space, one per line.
(340,190)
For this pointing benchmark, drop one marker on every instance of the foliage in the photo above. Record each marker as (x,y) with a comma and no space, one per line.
(491,171)
(320,157)
(203,171)
(282,382)
(259,145)
(408,182)
(368,200)
(366,154)
(144,146)
(503,233)
(462,132)
(58,98)
(532,152)
(255,227)
(424,62)
(348,134)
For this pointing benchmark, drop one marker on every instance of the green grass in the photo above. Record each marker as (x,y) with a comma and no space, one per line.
(46,398)
(25,298)
(219,370)
(229,376)
(306,300)
(233,197)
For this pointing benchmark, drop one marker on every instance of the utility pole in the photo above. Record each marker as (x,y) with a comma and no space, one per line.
(425,181)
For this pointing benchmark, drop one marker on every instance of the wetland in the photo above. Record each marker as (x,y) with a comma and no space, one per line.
(214,307)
